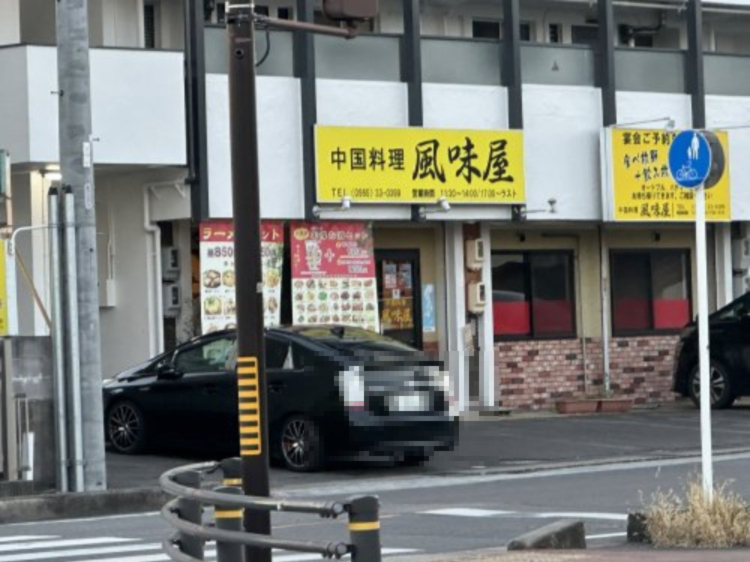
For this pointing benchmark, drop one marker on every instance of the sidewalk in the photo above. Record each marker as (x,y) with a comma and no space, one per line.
(633,555)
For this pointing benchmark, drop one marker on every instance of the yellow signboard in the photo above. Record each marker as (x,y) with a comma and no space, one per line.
(415,165)
(642,187)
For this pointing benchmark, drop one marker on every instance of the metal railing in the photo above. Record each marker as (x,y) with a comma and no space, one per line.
(185,515)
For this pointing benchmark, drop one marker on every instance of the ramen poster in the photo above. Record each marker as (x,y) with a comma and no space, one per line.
(333,274)
(218,308)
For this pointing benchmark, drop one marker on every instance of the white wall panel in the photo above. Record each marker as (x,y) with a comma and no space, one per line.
(280,147)
(454,106)
(14,108)
(562,125)
(362,103)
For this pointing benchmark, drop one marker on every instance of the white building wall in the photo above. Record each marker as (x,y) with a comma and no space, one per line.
(14,104)
(10,22)
(561,126)
(137,107)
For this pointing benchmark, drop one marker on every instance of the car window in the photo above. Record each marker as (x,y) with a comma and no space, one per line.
(736,310)
(277,354)
(207,357)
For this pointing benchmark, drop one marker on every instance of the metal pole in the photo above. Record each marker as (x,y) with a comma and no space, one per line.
(229,519)
(73,341)
(364,529)
(246,209)
(703,341)
(191,511)
(76,165)
(605,303)
(58,342)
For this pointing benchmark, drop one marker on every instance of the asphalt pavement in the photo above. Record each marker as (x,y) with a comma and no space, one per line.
(511,443)
(421,515)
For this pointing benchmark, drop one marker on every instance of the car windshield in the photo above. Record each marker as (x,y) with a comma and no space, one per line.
(350,339)
(734,310)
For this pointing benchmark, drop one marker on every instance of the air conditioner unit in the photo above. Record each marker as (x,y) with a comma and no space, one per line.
(741,253)
(170,263)
(171,299)
(475,254)
(477,298)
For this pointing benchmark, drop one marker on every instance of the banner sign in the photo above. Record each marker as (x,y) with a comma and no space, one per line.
(415,165)
(218,309)
(333,274)
(4,320)
(641,189)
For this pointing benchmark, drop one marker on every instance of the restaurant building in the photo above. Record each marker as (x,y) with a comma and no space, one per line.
(485,181)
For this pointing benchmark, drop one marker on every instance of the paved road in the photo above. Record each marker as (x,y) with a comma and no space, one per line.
(512,443)
(420,514)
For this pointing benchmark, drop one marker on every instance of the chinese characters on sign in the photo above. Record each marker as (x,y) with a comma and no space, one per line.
(415,165)
(333,274)
(218,310)
(643,188)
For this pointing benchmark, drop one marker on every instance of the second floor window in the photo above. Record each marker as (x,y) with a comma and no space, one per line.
(533,294)
(650,290)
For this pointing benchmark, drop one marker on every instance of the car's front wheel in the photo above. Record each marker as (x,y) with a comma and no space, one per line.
(126,428)
(722,394)
(301,445)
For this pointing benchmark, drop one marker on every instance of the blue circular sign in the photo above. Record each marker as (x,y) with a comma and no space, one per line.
(690,159)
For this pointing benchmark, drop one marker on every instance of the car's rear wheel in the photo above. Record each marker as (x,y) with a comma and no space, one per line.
(126,428)
(301,445)
(722,394)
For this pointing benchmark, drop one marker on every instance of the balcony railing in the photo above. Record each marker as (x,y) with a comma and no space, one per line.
(560,65)
(461,61)
(727,75)
(650,70)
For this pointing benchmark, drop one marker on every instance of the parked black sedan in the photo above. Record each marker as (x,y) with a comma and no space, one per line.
(730,356)
(332,390)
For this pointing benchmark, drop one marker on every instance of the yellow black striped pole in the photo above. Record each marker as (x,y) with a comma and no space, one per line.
(364,529)
(248,268)
(248,388)
(228,519)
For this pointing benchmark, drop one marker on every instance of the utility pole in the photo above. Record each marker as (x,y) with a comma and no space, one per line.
(76,165)
(243,120)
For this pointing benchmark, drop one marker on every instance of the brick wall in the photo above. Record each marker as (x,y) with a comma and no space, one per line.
(533,375)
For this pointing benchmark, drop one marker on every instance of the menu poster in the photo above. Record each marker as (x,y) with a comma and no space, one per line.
(333,274)
(398,296)
(218,309)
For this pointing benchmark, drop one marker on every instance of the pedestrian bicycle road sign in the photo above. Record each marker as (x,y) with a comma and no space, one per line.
(690,159)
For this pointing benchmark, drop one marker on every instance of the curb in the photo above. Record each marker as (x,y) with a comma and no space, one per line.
(560,535)
(83,504)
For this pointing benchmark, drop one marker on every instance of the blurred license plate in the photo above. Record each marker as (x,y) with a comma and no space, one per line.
(416,402)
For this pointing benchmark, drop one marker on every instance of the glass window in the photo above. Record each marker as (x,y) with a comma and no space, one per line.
(650,290)
(485,29)
(277,352)
(209,357)
(533,294)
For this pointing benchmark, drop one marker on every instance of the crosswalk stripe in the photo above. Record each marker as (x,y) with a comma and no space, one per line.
(467,512)
(51,554)
(9,547)
(21,538)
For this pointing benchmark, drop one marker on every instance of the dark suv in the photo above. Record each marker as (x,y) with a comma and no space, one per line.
(730,356)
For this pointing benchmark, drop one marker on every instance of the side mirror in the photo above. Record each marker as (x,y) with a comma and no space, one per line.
(168,372)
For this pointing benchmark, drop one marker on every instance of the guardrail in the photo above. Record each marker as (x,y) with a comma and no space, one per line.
(185,515)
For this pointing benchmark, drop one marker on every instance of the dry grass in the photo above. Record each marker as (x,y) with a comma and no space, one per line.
(694,522)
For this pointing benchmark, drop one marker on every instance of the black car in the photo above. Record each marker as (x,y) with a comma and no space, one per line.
(730,356)
(332,390)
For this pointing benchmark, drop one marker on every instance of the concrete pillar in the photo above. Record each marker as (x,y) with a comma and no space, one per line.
(456,313)
(10,22)
(723,264)
(487,381)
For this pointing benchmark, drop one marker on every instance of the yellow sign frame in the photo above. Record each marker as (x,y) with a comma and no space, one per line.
(638,187)
(413,165)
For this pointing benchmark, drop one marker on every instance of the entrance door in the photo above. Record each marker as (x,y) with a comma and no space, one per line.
(400,295)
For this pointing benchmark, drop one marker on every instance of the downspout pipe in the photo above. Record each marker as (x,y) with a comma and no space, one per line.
(153,271)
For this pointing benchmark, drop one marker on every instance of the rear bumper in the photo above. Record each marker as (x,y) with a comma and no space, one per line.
(418,434)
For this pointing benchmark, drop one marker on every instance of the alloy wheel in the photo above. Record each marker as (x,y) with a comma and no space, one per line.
(295,443)
(716,381)
(125,427)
